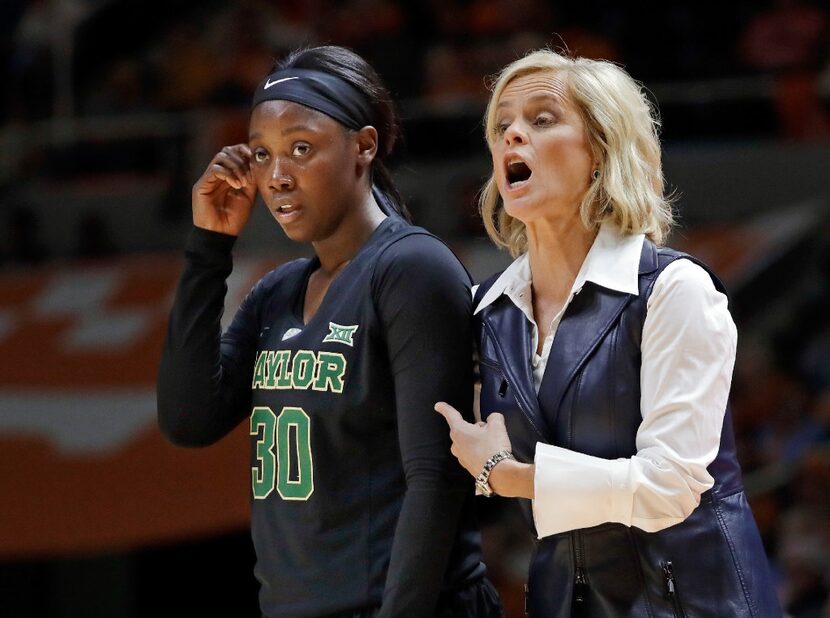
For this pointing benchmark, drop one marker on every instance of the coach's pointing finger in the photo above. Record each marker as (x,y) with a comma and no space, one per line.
(452,416)
(473,444)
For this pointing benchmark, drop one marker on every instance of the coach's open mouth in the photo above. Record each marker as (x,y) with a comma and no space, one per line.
(517,171)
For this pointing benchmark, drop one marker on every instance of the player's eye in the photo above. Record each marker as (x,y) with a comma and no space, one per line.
(300,149)
(260,155)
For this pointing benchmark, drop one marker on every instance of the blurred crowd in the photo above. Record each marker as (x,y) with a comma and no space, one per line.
(124,58)
(106,58)
(737,70)
(781,404)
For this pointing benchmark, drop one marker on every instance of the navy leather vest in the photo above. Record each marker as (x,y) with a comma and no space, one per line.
(711,564)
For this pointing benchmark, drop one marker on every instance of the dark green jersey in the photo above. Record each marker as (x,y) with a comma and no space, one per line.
(356,499)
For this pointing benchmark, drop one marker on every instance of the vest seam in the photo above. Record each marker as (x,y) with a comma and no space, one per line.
(716,496)
(488,362)
(735,563)
(591,348)
(610,392)
(638,559)
(571,422)
(519,395)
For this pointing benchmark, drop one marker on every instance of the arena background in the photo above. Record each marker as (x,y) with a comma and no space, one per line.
(109,111)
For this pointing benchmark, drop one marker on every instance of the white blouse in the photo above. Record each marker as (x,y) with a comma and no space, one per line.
(688,354)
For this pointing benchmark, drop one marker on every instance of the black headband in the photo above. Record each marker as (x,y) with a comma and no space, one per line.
(327,93)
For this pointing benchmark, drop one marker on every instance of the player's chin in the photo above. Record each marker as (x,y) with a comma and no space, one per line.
(297,235)
(296,230)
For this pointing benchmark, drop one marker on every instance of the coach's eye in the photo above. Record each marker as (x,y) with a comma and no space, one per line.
(543,120)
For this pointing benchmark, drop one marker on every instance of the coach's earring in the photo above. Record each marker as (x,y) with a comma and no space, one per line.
(595,174)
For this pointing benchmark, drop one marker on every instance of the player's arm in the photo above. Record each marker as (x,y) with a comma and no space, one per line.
(423,299)
(203,386)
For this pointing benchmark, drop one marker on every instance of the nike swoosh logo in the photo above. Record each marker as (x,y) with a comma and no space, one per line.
(269,83)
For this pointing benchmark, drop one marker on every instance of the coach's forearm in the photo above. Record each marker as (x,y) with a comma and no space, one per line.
(513,479)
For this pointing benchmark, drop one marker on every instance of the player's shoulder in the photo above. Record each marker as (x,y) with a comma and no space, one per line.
(415,262)
(282,278)
(411,245)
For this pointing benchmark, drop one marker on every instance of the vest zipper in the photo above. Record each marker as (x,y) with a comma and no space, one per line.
(580,587)
(579,607)
(671,589)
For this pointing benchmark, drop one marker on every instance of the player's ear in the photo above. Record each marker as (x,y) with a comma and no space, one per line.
(367,145)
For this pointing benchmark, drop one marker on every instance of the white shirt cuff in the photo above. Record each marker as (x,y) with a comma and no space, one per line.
(573,490)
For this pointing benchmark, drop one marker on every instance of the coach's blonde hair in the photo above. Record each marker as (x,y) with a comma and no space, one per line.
(622,131)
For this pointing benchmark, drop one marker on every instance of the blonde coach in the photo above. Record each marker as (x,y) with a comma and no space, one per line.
(606,362)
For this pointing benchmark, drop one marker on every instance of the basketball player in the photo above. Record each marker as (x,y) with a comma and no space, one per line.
(357,506)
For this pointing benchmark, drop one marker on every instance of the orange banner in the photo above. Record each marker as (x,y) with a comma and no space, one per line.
(84,467)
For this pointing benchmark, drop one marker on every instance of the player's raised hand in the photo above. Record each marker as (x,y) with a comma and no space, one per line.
(224,195)
(474,444)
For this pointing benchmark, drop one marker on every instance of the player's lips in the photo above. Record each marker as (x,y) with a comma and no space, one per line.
(517,173)
(285,211)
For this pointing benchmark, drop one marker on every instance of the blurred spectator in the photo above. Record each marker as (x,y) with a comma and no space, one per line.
(804,547)
(507,550)
(94,238)
(813,362)
(128,87)
(759,390)
(790,40)
(286,24)
(488,18)
(791,430)
(581,41)
(31,71)
(362,23)
(378,30)
(23,237)
(187,68)
(789,34)
(10,13)
(245,37)
(803,339)
(468,221)
(452,78)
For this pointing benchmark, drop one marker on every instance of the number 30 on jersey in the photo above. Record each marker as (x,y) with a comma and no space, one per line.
(291,468)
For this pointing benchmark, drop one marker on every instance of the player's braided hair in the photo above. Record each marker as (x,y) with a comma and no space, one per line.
(349,66)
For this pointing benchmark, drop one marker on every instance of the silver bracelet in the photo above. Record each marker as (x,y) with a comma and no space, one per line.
(482,480)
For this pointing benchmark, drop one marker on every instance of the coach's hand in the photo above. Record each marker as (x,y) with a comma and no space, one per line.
(224,195)
(474,444)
